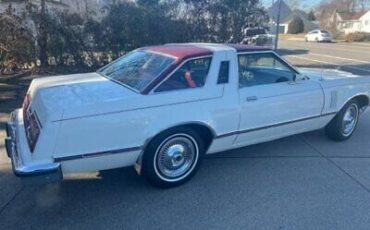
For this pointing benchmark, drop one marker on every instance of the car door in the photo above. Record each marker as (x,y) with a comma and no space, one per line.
(272,102)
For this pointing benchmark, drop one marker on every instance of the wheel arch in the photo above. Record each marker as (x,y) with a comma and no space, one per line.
(334,129)
(362,99)
(206,132)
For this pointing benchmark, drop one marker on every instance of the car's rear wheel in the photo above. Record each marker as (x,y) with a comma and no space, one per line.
(173,157)
(345,122)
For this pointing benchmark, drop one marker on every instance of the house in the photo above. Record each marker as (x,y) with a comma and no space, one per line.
(272,12)
(308,25)
(352,22)
(286,17)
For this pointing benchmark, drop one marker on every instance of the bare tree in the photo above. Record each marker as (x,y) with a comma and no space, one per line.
(42,35)
(350,5)
(364,4)
(293,4)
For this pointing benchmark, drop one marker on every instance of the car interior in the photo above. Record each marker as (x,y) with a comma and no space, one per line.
(190,75)
(262,69)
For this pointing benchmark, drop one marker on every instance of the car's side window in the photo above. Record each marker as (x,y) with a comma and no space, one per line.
(191,74)
(262,69)
(223,75)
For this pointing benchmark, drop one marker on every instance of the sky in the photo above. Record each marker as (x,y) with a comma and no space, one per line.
(305,3)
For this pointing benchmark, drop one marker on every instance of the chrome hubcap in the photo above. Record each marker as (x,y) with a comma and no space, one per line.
(176,156)
(350,120)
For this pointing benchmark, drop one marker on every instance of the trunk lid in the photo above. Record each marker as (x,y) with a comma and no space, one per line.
(52,97)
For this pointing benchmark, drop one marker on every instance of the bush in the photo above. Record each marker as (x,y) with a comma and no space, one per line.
(296,26)
(358,37)
(16,43)
(60,39)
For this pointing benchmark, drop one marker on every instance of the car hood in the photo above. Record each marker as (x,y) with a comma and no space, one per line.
(332,77)
(63,97)
(326,74)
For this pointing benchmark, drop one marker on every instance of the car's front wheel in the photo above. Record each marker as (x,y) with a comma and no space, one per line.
(345,122)
(173,157)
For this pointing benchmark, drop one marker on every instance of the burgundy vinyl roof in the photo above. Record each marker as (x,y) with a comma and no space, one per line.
(185,51)
(180,51)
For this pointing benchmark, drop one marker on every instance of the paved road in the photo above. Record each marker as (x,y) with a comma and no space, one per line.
(299,182)
(354,58)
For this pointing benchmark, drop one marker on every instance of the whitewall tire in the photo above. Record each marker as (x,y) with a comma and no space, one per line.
(173,157)
(344,123)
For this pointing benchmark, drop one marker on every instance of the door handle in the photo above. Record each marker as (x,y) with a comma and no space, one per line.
(253,98)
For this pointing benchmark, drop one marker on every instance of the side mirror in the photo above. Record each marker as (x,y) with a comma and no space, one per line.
(300,77)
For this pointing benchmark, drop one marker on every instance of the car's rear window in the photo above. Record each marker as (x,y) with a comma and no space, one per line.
(137,69)
(324,32)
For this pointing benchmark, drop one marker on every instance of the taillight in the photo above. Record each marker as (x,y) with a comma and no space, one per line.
(31,123)
(26,102)
(32,129)
(26,105)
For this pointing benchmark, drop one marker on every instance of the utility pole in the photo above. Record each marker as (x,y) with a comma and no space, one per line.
(277,26)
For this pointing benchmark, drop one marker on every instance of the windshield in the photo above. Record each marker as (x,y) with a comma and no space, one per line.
(324,32)
(137,69)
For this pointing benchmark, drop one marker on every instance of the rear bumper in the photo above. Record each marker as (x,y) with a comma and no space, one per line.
(22,163)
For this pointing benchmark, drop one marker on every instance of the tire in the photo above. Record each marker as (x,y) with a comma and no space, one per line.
(173,157)
(344,123)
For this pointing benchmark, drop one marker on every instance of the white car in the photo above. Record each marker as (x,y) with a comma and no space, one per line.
(319,36)
(163,108)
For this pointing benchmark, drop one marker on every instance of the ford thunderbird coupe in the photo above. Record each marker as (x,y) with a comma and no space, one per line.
(161,109)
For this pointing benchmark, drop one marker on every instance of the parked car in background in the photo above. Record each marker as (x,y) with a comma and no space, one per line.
(258,36)
(319,36)
(162,108)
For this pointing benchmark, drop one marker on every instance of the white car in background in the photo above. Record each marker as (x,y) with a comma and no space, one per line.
(319,36)
(163,108)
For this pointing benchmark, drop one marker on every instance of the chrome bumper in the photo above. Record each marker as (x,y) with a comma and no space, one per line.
(34,173)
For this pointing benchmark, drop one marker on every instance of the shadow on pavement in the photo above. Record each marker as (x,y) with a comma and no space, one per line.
(11,96)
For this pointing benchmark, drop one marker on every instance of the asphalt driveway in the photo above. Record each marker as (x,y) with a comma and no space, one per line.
(300,182)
